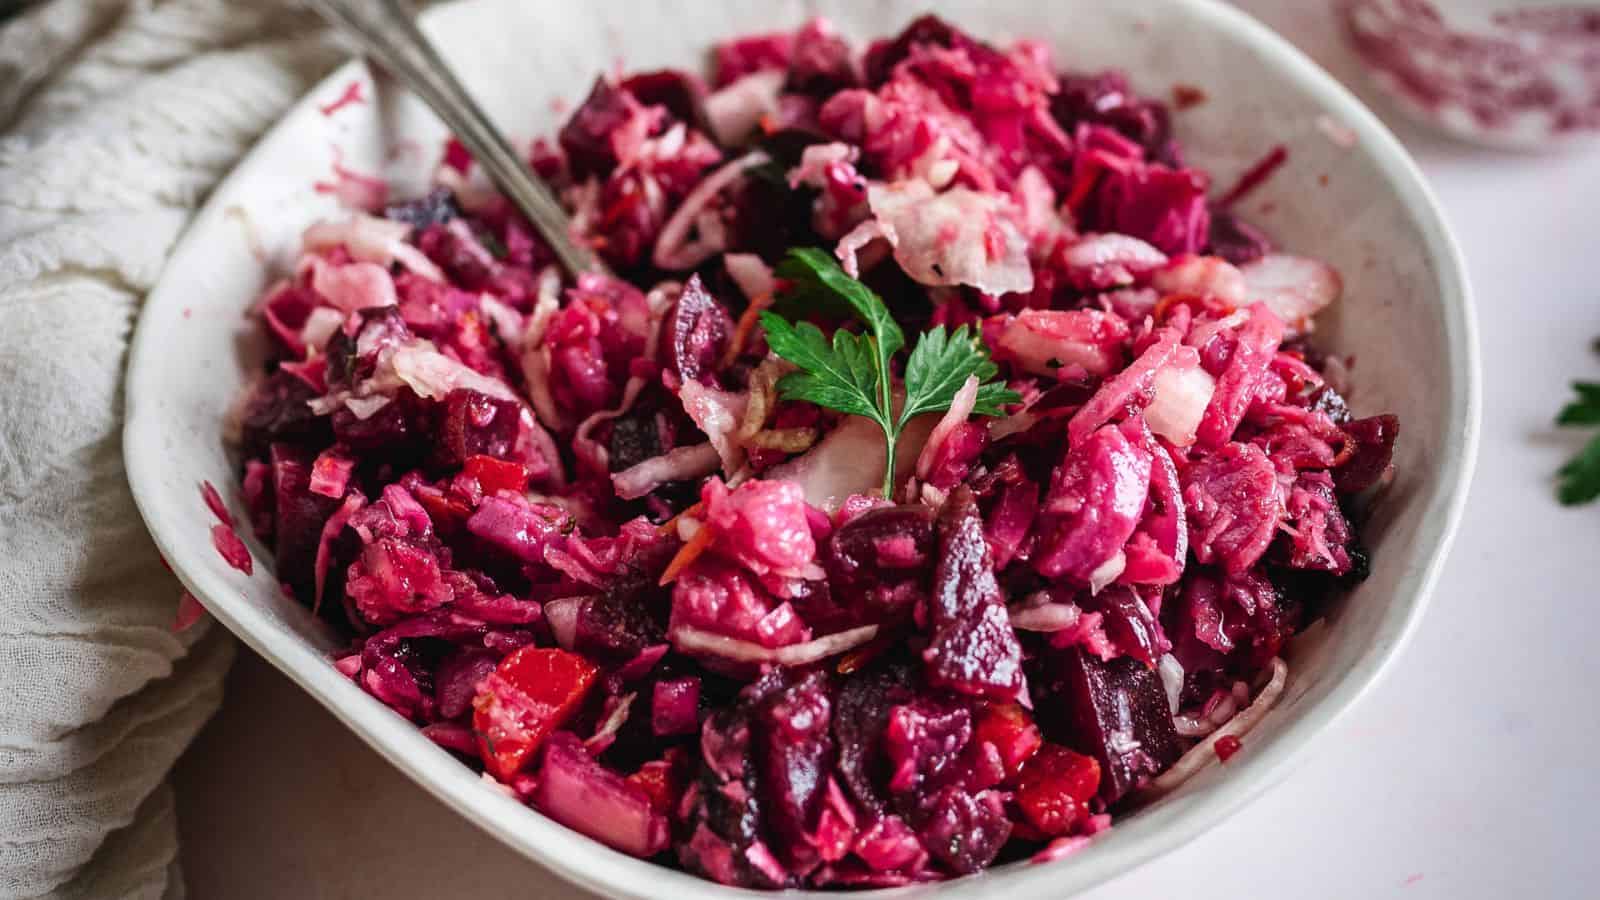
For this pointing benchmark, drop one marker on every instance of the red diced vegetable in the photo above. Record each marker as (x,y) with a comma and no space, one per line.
(208,492)
(1226,746)
(1011,730)
(533,692)
(663,779)
(233,550)
(1054,788)
(496,474)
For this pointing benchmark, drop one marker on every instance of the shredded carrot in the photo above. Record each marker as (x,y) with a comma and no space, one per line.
(670,526)
(747,324)
(687,554)
(1347,449)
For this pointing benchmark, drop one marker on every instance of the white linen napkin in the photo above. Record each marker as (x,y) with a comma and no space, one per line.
(117,118)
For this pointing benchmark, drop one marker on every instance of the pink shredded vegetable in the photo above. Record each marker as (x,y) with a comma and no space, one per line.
(580,534)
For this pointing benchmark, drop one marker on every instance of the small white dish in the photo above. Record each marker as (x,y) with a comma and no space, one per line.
(1511,74)
(1349,193)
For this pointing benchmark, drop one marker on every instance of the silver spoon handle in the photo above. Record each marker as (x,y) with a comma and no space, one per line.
(387,33)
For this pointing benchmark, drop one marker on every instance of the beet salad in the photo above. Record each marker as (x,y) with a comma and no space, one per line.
(939,470)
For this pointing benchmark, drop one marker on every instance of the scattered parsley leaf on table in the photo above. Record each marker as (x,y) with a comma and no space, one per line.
(1580,477)
(853,374)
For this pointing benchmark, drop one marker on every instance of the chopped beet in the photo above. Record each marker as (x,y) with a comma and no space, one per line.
(615,626)
(682,93)
(700,328)
(1114,711)
(278,410)
(797,753)
(860,720)
(300,515)
(973,650)
(1367,464)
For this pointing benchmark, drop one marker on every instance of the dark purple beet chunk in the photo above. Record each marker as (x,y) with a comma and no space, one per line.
(1374,437)
(1236,240)
(964,831)
(882,56)
(395,432)
(862,580)
(977,654)
(680,92)
(974,650)
(860,717)
(456,681)
(1129,623)
(634,439)
(1105,98)
(615,626)
(277,412)
(471,423)
(1115,711)
(723,818)
(963,579)
(700,330)
(923,738)
(935,786)
(797,753)
(587,135)
(300,516)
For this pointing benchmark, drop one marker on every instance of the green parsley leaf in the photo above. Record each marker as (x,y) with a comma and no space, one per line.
(941,364)
(840,376)
(1586,409)
(854,373)
(818,281)
(1580,477)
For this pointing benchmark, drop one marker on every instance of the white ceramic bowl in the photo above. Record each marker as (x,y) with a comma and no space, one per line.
(1349,194)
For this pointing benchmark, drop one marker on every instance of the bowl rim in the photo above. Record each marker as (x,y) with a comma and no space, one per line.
(593,866)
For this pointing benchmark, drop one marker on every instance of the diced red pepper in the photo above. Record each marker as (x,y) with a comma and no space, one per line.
(1054,788)
(532,693)
(663,779)
(1226,746)
(496,474)
(448,513)
(1010,729)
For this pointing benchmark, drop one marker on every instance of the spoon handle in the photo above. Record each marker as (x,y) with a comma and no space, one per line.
(386,31)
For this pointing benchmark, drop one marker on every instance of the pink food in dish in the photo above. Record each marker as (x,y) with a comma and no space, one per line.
(581,533)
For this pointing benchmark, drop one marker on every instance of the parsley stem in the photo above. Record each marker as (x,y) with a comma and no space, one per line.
(888,463)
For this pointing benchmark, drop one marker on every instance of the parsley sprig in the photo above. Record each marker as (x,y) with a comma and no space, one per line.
(1580,477)
(853,373)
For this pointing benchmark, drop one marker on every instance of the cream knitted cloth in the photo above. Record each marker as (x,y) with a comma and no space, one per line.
(116,118)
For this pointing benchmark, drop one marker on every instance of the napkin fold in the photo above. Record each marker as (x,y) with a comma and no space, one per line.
(116,119)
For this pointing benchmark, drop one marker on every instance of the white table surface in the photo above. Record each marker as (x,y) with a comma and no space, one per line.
(1469,773)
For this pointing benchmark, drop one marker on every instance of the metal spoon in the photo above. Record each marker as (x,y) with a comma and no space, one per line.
(386,31)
